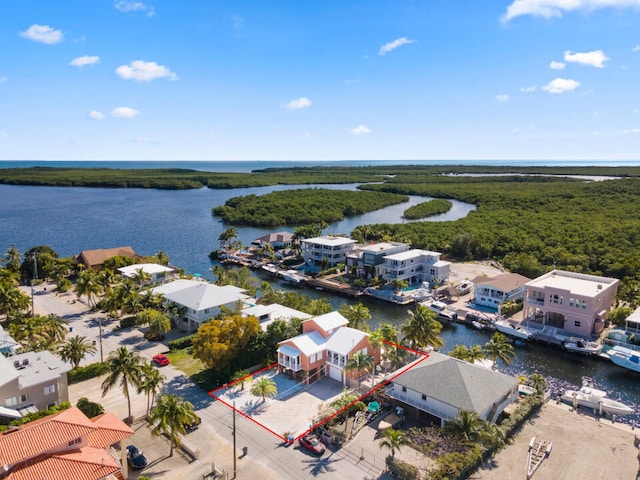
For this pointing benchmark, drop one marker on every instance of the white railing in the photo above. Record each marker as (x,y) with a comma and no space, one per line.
(418,404)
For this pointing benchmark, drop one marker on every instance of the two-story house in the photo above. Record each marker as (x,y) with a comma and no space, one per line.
(324,348)
(267,314)
(156,273)
(416,266)
(325,252)
(369,259)
(576,302)
(493,291)
(200,300)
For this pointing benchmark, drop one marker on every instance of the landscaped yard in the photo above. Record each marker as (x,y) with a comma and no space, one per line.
(185,362)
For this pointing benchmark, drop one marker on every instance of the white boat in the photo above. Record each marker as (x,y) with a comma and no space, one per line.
(580,345)
(292,276)
(625,358)
(592,398)
(477,324)
(271,268)
(526,390)
(441,309)
(514,330)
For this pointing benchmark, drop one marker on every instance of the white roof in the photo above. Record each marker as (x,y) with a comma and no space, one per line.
(307,343)
(413,253)
(344,339)
(381,247)
(149,268)
(41,367)
(330,321)
(275,311)
(7,372)
(575,283)
(329,241)
(198,295)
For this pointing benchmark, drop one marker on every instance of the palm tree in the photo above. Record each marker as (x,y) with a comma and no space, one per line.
(39,333)
(227,237)
(159,324)
(151,383)
(475,353)
(359,362)
(141,277)
(12,300)
(467,426)
(12,259)
(162,258)
(240,378)
(393,356)
(461,352)
(88,286)
(499,348)
(264,387)
(343,403)
(170,417)
(538,382)
(357,314)
(393,440)
(75,349)
(422,329)
(125,368)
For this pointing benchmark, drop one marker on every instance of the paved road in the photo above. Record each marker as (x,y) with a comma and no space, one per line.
(267,458)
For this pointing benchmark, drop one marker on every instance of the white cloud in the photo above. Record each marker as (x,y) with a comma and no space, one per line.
(387,47)
(635,110)
(127,6)
(503,98)
(556,65)
(3,134)
(592,59)
(555,8)
(43,34)
(125,112)
(298,103)
(631,131)
(528,89)
(636,48)
(142,71)
(85,60)
(561,85)
(4,79)
(95,115)
(360,130)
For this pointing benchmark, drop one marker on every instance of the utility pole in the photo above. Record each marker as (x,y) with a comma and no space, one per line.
(35,275)
(234,439)
(100,327)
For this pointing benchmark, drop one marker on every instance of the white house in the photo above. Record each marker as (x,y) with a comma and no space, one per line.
(369,259)
(437,388)
(492,291)
(416,266)
(157,273)
(328,250)
(201,300)
(267,314)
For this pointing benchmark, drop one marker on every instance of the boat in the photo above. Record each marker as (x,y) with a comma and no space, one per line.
(292,276)
(625,358)
(526,390)
(477,324)
(440,308)
(580,345)
(271,268)
(595,399)
(514,330)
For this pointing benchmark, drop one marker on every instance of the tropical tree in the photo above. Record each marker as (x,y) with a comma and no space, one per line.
(499,348)
(170,416)
(264,387)
(538,382)
(106,278)
(38,333)
(12,299)
(344,403)
(75,349)
(239,378)
(89,286)
(12,259)
(461,352)
(393,440)
(227,237)
(357,314)
(159,324)
(141,277)
(393,356)
(219,343)
(151,382)
(268,251)
(125,368)
(359,362)
(467,426)
(422,329)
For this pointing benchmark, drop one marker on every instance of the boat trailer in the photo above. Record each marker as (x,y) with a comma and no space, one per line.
(538,451)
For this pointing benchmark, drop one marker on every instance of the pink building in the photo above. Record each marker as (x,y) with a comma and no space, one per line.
(575,302)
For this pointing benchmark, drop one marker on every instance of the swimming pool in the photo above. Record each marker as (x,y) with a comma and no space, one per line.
(482,308)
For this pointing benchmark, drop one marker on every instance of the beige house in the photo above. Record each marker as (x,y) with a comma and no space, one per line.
(492,291)
(575,302)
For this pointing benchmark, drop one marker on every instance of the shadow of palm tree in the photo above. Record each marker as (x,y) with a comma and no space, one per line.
(254,407)
(325,464)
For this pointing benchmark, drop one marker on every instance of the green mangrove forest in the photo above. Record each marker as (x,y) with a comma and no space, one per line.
(428,209)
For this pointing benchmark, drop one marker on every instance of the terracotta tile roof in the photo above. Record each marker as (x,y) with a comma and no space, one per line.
(97,257)
(110,430)
(80,464)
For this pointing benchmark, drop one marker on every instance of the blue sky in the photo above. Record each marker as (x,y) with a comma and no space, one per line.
(319,80)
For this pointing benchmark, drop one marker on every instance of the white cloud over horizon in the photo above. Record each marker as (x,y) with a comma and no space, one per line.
(636,48)
(84,60)
(528,89)
(95,115)
(503,98)
(387,47)
(125,112)
(631,131)
(128,6)
(556,8)
(556,65)
(360,130)
(43,34)
(298,103)
(591,59)
(561,85)
(141,71)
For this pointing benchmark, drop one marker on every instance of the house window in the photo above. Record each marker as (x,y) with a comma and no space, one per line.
(49,389)
(571,302)
(584,305)
(424,397)
(555,298)
(576,323)
(11,402)
(74,442)
(312,358)
(404,389)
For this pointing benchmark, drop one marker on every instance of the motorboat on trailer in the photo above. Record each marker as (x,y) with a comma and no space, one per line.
(580,345)
(625,358)
(515,330)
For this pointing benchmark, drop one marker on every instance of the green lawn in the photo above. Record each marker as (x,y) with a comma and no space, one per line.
(184,361)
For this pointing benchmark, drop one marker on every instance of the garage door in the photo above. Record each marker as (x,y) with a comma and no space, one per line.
(335,373)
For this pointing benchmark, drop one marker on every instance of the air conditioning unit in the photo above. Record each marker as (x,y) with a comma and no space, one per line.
(25,361)
(16,363)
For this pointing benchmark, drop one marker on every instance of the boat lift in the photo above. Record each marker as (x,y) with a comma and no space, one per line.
(538,451)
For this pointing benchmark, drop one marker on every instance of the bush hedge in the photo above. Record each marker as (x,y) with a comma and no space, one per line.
(181,343)
(128,322)
(85,373)
(402,470)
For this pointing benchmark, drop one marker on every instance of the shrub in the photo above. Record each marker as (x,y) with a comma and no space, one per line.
(127,322)
(181,343)
(402,470)
(528,406)
(85,373)
(89,408)
(454,466)
(29,417)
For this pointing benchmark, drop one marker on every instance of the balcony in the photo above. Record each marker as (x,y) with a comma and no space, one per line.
(291,364)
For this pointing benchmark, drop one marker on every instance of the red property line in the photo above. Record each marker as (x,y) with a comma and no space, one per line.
(313,427)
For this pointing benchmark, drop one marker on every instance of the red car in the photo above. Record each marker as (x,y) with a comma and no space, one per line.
(311,443)
(160,360)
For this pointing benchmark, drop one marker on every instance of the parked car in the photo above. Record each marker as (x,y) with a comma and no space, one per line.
(160,360)
(190,427)
(311,443)
(135,458)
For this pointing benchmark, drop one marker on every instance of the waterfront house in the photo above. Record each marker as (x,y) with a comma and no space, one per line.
(267,314)
(66,445)
(277,240)
(493,291)
(416,266)
(8,345)
(575,302)
(325,252)
(439,387)
(94,259)
(31,381)
(201,300)
(157,273)
(369,259)
(324,348)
